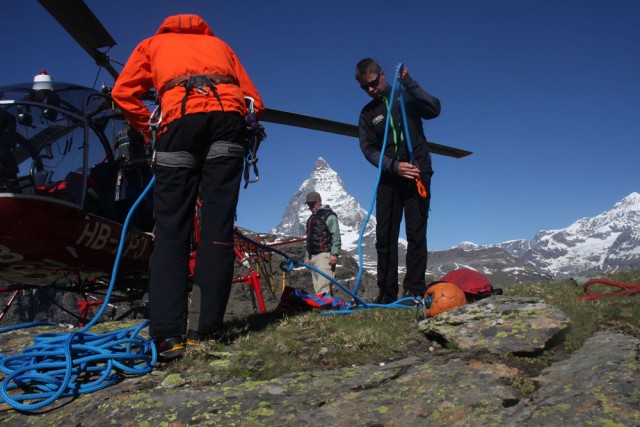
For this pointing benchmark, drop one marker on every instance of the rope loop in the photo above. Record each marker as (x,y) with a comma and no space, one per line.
(626,288)
(287,265)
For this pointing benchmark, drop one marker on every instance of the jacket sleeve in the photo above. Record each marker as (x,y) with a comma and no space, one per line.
(134,81)
(334,228)
(427,105)
(371,148)
(247,86)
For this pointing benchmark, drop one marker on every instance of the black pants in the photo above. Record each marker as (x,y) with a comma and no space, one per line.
(395,195)
(217,181)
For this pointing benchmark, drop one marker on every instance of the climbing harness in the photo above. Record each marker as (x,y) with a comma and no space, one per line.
(204,84)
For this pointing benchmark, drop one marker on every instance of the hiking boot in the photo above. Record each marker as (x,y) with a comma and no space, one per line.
(382,299)
(195,337)
(169,348)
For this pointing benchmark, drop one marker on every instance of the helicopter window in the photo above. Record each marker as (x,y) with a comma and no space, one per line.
(44,144)
(63,147)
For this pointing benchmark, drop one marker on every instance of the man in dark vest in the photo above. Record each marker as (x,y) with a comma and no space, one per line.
(323,242)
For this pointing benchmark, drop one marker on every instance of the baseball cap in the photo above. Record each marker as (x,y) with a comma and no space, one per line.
(313,197)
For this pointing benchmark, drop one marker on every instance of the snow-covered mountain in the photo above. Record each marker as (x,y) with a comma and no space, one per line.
(501,267)
(605,243)
(351,215)
(513,247)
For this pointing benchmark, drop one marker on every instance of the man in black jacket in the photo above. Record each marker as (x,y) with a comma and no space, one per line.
(405,163)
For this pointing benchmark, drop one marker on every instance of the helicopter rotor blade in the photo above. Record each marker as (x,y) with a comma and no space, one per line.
(299,120)
(81,23)
(85,28)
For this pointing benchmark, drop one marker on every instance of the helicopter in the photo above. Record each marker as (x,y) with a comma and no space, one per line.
(67,153)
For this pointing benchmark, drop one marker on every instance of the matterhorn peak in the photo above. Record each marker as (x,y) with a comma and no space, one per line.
(325,181)
(321,164)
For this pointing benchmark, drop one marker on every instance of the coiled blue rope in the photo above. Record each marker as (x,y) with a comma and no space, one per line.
(74,363)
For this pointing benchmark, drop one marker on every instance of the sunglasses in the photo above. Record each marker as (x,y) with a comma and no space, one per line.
(372,84)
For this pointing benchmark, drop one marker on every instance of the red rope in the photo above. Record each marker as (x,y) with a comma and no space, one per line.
(628,289)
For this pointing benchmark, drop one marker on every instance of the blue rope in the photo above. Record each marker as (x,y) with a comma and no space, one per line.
(289,264)
(355,297)
(406,127)
(69,364)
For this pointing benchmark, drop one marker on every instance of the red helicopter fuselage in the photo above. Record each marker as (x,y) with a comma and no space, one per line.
(44,240)
(70,170)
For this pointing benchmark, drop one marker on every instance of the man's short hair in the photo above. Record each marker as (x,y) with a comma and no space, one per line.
(367,66)
(313,197)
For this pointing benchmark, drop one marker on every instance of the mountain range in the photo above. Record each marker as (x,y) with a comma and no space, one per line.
(606,243)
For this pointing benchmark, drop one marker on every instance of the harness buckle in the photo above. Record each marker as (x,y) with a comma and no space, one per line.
(202,90)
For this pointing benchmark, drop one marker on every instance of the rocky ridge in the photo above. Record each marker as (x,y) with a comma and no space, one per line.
(513,375)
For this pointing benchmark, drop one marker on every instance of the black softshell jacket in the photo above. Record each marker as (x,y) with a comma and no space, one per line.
(419,105)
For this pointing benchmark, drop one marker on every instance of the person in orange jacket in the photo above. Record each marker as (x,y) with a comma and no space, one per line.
(200,151)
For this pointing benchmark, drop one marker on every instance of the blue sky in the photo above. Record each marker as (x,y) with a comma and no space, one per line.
(546,94)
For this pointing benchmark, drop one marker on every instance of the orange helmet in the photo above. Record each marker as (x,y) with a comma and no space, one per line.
(444,296)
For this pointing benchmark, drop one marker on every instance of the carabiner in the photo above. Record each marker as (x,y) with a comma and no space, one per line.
(249,101)
(155,120)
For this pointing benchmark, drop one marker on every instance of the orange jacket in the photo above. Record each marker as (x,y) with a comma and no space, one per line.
(184,44)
